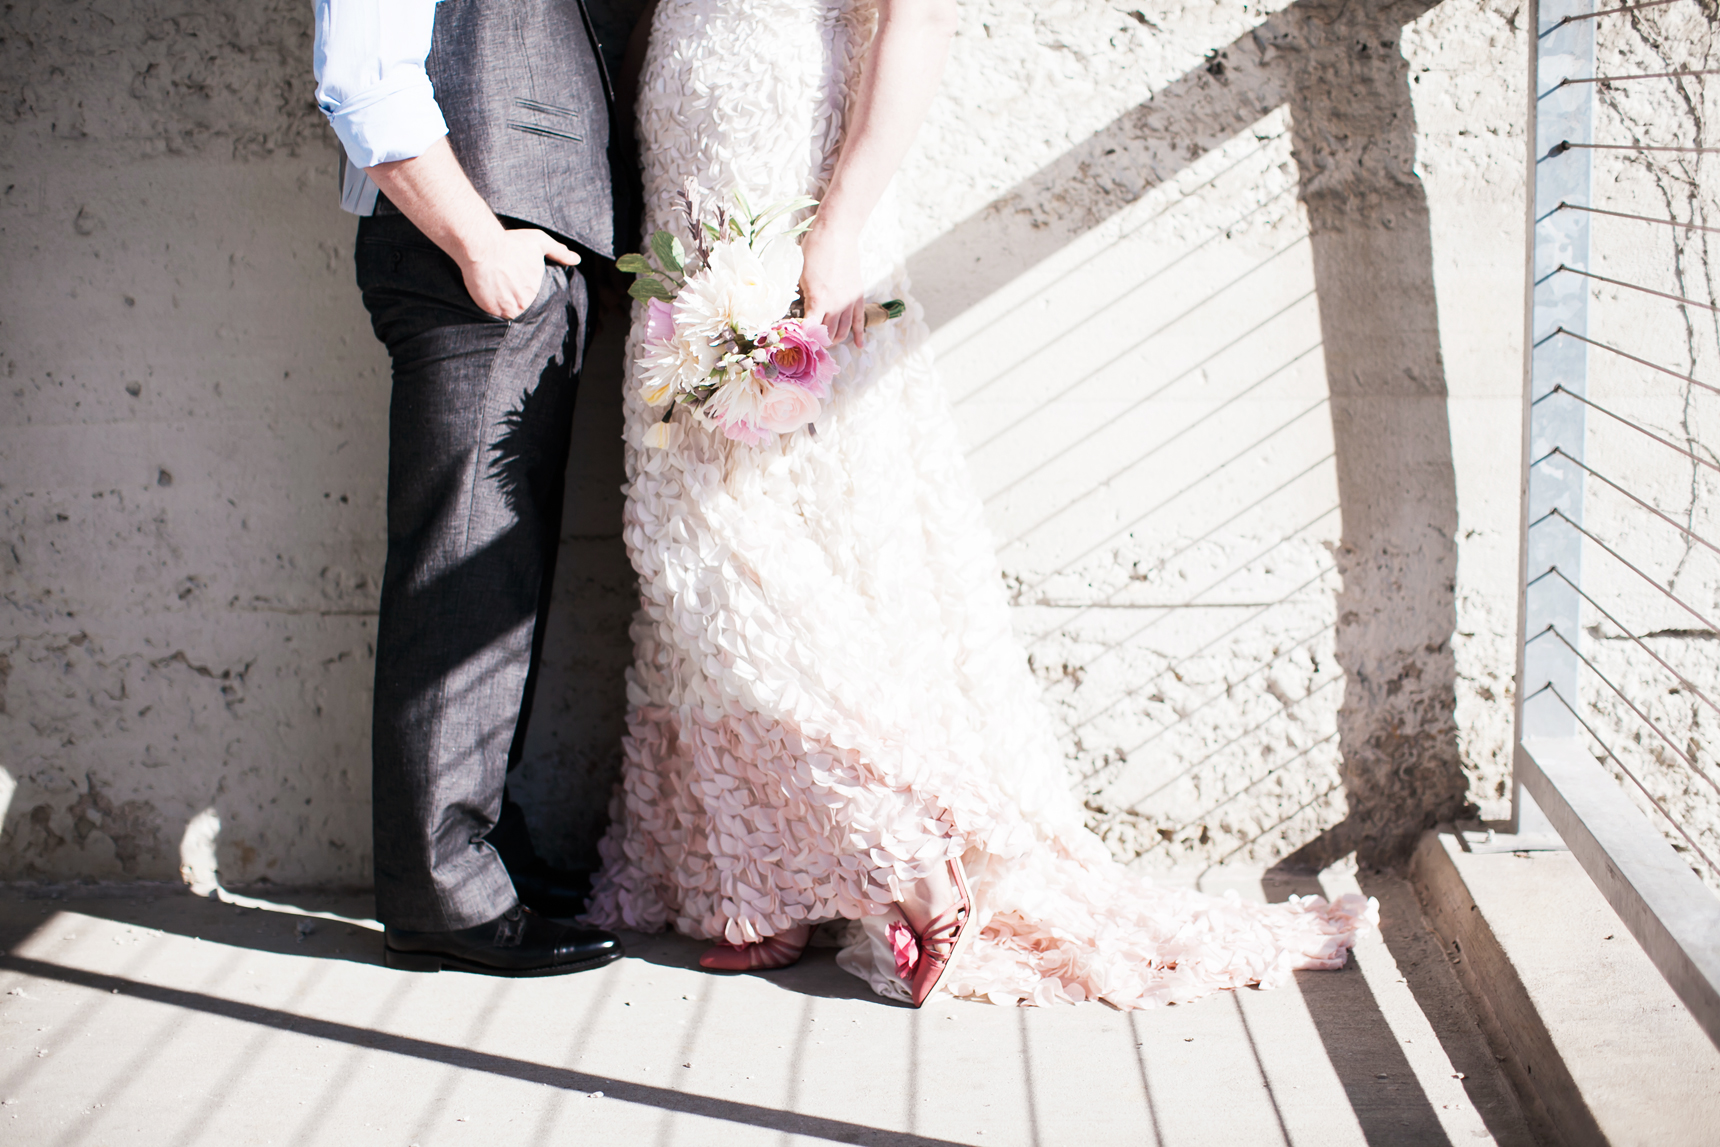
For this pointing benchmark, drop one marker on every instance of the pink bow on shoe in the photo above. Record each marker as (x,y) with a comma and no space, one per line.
(906,948)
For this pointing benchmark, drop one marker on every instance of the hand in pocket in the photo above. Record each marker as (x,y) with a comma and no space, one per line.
(507,277)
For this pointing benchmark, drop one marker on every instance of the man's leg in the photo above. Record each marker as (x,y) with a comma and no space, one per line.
(551,891)
(511,838)
(478,438)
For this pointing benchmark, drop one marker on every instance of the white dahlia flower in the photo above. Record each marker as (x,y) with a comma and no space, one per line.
(740,289)
(674,364)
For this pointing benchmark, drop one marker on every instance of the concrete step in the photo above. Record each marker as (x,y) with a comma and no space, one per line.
(1597,1046)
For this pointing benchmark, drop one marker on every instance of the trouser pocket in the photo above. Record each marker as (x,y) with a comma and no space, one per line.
(409,284)
(550,287)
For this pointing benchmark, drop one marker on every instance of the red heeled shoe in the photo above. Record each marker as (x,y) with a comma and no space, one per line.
(766,955)
(931,953)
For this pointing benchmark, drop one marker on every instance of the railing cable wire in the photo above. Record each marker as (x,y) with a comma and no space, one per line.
(1643,717)
(1640,76)
(1593,473)
(1640,361)
(1559,388)
(1639,218)
(1565,145)
(1682,679)
(1622,560)
(1608,12)
(1613,757)
(1638,287)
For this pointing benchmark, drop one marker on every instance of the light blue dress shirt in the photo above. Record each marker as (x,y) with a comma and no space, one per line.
(371,83)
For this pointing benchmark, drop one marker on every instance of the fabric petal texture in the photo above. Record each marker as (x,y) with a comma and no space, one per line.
(827,702)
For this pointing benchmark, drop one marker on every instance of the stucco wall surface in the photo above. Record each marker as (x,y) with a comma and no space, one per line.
(1652,697)
(192,465)
(1234,330)
(1228,298)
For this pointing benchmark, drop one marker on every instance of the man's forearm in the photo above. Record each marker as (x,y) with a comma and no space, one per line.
(433,192)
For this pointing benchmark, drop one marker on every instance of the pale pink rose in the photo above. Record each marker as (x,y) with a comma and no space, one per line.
(659,321)
(743,431)
(801,358)
(786,407)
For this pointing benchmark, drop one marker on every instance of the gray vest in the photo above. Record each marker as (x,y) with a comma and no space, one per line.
(526,97)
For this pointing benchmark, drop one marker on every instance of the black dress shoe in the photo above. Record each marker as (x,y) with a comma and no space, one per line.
(519,942)
(558,893)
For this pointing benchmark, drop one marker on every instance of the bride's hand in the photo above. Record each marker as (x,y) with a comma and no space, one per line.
(831,285)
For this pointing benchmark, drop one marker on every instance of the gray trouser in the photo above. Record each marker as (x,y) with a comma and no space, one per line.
(478,430)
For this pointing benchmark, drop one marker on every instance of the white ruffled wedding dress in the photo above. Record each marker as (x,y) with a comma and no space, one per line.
(827,700)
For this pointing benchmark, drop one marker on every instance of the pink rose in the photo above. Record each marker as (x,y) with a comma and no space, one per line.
(787,407)
(800,358)
(659,321)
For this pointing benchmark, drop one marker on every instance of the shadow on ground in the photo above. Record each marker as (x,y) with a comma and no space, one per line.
(1363,1048)
(338,926)
(333,925)
(815,975)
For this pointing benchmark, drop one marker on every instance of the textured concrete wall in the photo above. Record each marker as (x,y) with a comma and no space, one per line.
(192,464)
(1243,407)
(1229,299)
(1661,650)
(191,481)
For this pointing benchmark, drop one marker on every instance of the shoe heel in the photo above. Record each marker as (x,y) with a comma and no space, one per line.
(410,961)
(961,914)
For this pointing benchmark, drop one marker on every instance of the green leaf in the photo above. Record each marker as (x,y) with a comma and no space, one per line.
(646,287)
(667,248)
(634,265)
(741,202)
(787,207)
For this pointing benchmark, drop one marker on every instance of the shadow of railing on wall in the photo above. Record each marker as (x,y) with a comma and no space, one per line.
(1207,335)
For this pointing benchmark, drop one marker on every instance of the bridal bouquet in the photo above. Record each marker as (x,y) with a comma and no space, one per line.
(723,333)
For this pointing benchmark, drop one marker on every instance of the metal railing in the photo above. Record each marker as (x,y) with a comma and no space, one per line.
(1624,779)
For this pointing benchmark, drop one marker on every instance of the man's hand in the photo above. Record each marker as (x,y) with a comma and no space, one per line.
(504,277)
(503,269)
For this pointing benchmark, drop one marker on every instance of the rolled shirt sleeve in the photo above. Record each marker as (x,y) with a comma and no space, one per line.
(371,83)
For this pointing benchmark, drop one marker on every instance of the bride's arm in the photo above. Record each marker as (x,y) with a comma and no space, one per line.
(901,77)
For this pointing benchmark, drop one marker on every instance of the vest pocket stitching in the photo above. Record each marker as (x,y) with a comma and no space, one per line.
(547,109)
(534,129)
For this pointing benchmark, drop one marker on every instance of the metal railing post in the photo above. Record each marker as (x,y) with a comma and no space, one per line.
(1560,114)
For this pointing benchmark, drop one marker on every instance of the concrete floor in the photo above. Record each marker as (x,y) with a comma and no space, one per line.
(147,1016)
